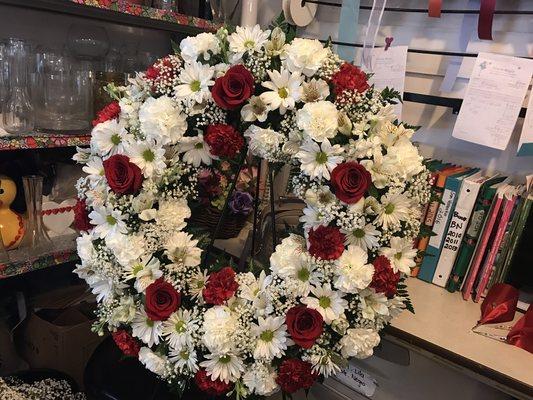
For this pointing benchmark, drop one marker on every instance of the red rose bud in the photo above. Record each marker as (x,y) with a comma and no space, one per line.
(305,325)
(220,286)
(326,242)
(223,140)
(350,181)
(211,387)
(123,177)
(384,280)
(81,216)
(109,112)
(349,77)
(234,88)
(126,343)
(295,374)
(161,300)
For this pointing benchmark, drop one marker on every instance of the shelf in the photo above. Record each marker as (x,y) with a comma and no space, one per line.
(43,141)
(120,12)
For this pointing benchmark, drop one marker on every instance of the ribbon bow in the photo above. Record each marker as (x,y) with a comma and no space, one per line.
(499,305)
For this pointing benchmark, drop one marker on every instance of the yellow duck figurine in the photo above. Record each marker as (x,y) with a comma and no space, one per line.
(11,224)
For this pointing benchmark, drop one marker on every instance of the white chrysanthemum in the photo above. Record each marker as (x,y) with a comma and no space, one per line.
(305,56)
(366,237)
(318,120)
(401,254)
(145,329)
(354,271)
(394,208)
(218,329)
(359,343)
(318,160)
(173,213)
(284,90)
(185,358)
(162,119)
(260,378)
(287,253)
(226,367)
(403,160)
(264,142)
(107,222)
(181,248)
(328,302)
(254,110)
(373,304)
(108,137)
(195,80)
(154,362)
(145,272)
(271,338)
(196,150)
(179,328)
(315,90)
(204,44)
(148,156)
(247,39)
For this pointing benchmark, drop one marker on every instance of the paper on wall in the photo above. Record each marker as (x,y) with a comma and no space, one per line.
(525,146)
(493,100)
(388,67)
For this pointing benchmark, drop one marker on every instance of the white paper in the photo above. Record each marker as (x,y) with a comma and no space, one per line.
(525,146)
(388,67)
(358,379)
(493,100)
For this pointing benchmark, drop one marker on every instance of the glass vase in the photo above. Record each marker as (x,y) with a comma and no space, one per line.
(36,241)
(225,11)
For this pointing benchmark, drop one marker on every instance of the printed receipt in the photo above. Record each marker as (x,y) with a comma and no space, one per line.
(493,99)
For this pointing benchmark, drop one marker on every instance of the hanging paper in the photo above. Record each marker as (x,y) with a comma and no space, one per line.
(348,26)
(525,146)
(493,99)
(372,28)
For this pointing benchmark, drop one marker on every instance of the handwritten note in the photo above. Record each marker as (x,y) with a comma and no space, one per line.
(525,146)
(388,67)
(358,379)
(493,100)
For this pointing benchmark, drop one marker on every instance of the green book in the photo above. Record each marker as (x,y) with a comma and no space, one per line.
(468,245)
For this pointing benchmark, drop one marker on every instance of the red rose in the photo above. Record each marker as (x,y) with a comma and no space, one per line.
(223,140)
(211,387)
(326,242)
(161,300)
(385,280)
(349,77)
(295,374)
(126,343)
(350,181)
(220,286)
(81,216)
(234,88)
(122,176)
(305,325)
(111,111)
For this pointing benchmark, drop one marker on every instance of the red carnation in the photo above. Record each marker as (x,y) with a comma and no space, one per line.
(305,325)
(152,73)
(220,286)
(211,387)
(123,177)
(125,342)
(161,300)
(295,374)
(81,216)
(223,140)
(350,181)
(349,77)
(385,280)
(233,88)
(326,242)
(109,112)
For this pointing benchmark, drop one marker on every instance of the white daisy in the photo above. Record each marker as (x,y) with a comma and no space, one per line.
(185,359)
(108,137)
(272,338)
(148,156)
(372,304)
(195,80)
(182,249)
(284,90)
(145,329)
(318,160)
(247,39)
(401,254)
(226,367)
(107,222)
(323,362)
(145,272)
(329,303)
(197,282)
(255,110)
(179,328)
(154,362)
(354,271)
(366,237)
(196,150)
(394,208)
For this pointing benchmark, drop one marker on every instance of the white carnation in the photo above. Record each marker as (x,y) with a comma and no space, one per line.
(260,379)
(319,120)
(403,159)
(264,142)
(172,214)
(305,56)
(153,362)
(162,119)
(204,44)
(218,329)
(359,343)
(354,273)
(287,254)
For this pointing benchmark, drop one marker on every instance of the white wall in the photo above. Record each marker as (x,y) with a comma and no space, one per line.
(513,35)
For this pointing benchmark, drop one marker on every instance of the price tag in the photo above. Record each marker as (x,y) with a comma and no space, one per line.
(358,379)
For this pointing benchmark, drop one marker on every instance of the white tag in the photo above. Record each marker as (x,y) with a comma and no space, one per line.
(358,379)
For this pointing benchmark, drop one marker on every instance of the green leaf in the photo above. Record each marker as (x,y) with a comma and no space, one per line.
(373,191)
(175,47)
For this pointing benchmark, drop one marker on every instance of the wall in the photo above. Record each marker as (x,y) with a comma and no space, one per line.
(513,35)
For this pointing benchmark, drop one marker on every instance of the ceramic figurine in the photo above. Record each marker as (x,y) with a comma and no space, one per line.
(11,223)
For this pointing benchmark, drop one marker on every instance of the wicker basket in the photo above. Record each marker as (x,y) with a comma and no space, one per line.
(208,218)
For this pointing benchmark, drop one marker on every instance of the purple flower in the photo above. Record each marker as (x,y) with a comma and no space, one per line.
(241,203)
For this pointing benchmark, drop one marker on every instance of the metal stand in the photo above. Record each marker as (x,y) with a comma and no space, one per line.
(272,207)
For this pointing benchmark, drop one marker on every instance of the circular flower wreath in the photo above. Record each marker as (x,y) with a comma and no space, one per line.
(328,292)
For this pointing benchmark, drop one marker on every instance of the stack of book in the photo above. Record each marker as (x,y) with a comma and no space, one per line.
(473,227)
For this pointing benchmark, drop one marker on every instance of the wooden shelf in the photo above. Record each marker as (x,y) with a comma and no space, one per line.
(43,141)
(121,12)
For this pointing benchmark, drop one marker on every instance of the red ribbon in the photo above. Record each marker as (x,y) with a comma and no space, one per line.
(486,15)
(522,333)
(499,305)
(434,8)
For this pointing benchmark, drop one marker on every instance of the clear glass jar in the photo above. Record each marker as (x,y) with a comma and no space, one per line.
(17,110)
